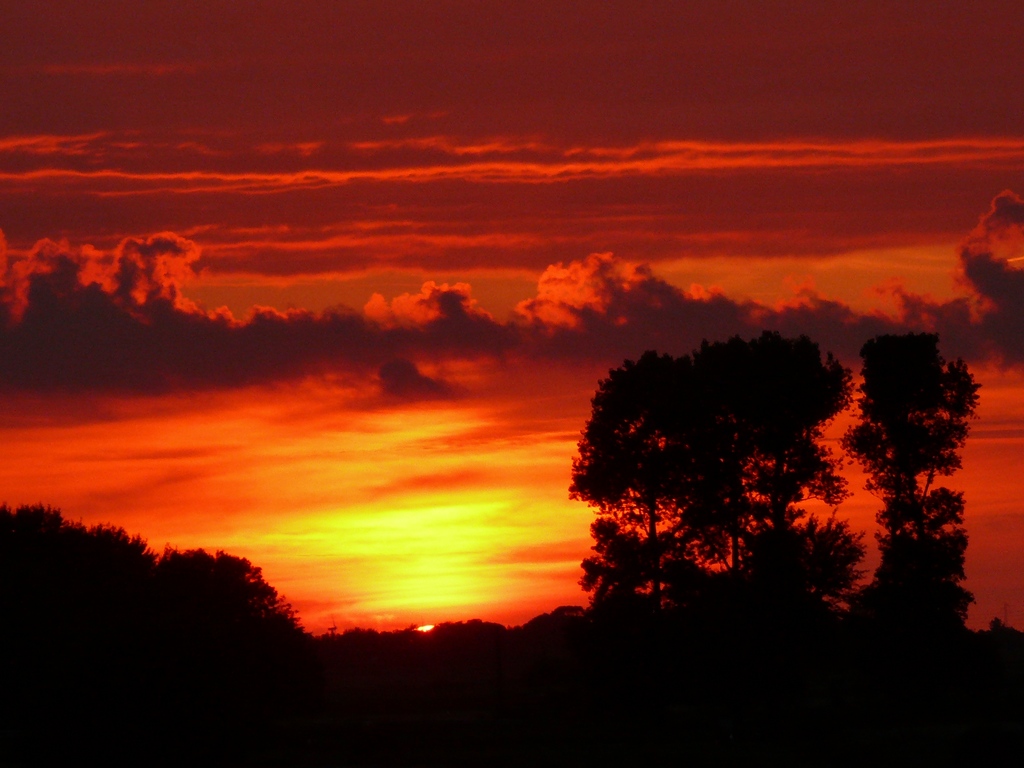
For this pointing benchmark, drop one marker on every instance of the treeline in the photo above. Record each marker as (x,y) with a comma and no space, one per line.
(108,647)
(701,470)
(721,567)
(455,667)
(578,687)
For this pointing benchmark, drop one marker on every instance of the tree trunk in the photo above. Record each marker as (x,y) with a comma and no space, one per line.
(652,541)
(735,553)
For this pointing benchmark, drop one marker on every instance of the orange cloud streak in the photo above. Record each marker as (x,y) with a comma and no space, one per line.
(659,158)
(45,144)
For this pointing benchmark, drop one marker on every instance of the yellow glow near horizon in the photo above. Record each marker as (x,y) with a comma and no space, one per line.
(383,515)
(376,517)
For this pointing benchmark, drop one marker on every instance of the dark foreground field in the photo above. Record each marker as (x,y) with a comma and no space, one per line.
(678,739)
(683,738)
(476,694)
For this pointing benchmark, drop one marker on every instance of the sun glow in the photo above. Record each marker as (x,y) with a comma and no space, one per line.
(371,517)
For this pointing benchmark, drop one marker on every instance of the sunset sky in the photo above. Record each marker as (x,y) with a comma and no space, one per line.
(330,285)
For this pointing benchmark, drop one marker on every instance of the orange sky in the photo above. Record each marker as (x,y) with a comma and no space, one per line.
(330,285)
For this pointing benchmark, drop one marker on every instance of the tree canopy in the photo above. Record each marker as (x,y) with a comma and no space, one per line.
(915,410)
(629,468)
(702,464)
(99,629)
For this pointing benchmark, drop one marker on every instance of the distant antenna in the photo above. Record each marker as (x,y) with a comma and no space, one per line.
(333,629)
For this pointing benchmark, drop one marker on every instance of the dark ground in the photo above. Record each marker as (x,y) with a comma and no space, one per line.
(677,739)
(477,694)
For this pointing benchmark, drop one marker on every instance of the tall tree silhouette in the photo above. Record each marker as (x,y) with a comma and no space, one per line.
(772,398)
(631,455)
(702,463)
(915,408)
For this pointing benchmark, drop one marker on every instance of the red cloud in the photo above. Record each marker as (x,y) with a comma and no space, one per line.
(86,319)
(564,291)
(432,303)
(83,319)
(136,272)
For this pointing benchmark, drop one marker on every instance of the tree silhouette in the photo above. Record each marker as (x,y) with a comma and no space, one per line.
(239,654)
(74,602)
(631,453)
(188,648)
(774,397)
(702,463)
(778,395)
(915,408)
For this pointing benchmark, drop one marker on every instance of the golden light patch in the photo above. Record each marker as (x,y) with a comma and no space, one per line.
(376,518)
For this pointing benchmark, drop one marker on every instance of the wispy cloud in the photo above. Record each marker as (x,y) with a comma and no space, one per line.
(545,164)
(46,144)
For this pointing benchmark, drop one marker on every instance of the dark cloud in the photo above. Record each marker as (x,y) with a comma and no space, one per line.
(603,307)
(1004,218)
(991,259)
(88,320)
(82,320)
(402,379)
(606,306)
